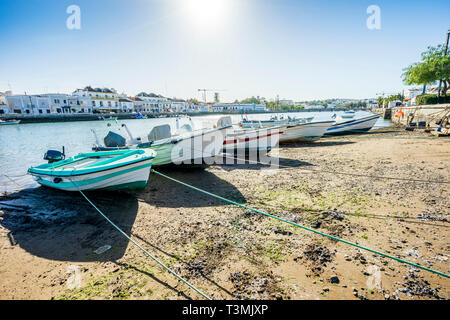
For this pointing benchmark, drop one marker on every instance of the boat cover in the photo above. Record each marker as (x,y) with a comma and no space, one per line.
(114,140)
(223,121)
(160,132)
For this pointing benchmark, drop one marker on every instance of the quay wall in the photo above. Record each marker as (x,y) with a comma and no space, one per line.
(59,117)
(418,113)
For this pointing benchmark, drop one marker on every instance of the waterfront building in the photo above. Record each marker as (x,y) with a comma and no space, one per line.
(56,102)
(286,102)
(40,103)
(154,103)
(99,100)
(28,104)
(126,104)
(3,106)
(180,106)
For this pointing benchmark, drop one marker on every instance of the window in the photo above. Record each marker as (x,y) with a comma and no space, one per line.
(101,103)
(48,111)
(17,111)
(40,110)
(58,110)
(93,103)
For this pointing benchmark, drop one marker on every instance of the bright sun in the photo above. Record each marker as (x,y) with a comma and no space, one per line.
(206,12)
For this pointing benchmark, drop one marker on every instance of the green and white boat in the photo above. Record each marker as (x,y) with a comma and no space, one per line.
(187,146)
(9,122)
(110,170)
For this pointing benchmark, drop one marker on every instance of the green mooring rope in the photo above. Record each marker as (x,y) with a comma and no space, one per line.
(140,247)
(305,228)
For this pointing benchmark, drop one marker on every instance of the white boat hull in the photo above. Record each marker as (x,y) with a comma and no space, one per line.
(305,132)
(262,139)
(131,176)
(353,126)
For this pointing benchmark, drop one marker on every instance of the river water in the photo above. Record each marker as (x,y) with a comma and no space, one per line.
(23,145)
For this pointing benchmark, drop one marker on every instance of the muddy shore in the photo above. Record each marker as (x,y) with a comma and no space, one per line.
(48,238)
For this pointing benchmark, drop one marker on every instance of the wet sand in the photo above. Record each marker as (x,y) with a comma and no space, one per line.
(48,238)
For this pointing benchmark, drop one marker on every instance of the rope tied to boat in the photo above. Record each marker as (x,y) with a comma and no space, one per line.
(140,247)
(304,227)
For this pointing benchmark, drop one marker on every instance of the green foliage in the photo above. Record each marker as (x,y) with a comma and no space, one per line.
(384,102)
(193,100)
(275,106)
(431,99)
(353,105)
(251,100)
(434,66)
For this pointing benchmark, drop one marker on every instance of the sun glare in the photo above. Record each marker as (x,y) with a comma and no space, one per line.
(206,12)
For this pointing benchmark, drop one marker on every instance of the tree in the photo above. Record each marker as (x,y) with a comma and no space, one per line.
(250,100)
(193,101)
(434,66)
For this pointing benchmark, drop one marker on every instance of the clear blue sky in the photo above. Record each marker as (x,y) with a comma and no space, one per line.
(297,49)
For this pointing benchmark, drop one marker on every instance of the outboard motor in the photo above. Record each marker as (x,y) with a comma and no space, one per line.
(54,155)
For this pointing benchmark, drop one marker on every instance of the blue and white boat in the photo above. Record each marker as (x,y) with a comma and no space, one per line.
(111,170)
(353,126)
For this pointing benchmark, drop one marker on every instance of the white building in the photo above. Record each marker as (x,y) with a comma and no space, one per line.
(98,99)
(3,106)
(180,106)
(126,105)
(286,102)
(28,104)
(150,102)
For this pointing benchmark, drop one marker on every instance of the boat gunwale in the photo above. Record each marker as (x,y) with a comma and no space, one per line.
(309,124)
(175,139)
(354,121)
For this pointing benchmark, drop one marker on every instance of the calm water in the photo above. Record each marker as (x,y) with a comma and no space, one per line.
(23,145)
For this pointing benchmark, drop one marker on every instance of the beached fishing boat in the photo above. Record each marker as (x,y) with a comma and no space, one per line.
(262,139)
(305,132)
(107,119)
(353,126)
(109,170)
(184,147)
(8,122)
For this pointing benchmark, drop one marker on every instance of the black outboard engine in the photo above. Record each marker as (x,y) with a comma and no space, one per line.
(54,155)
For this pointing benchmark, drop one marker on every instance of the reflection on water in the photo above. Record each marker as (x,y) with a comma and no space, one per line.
(23,145)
